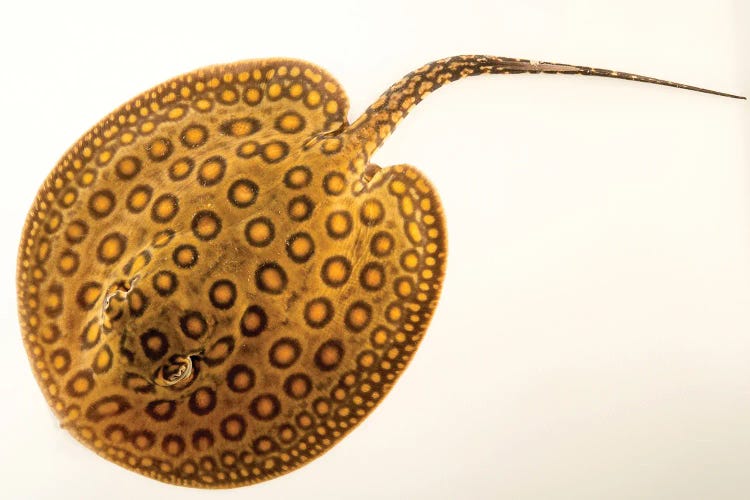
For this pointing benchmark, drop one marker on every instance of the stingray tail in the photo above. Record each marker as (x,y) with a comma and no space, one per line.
(378,121)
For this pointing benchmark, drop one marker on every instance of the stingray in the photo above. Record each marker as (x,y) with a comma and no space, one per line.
(215,285)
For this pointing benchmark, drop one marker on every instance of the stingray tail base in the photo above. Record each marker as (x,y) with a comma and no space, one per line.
(378,121)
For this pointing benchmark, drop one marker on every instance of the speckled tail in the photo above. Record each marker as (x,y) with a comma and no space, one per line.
(379,120)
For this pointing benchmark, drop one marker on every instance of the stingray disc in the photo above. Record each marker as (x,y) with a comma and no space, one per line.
(214,284)
(213,289)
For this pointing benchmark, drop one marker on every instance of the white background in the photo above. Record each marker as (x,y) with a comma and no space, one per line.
(593,338)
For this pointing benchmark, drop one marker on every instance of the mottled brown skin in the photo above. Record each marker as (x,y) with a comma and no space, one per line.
(214,284)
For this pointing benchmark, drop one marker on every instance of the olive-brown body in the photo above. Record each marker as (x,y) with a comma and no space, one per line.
(210,292)
(215,285)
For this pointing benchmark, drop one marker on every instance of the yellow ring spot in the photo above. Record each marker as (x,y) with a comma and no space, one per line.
(284,353)
(290,122)
(329,356)
(185,256)
(101,204)
(175,113)
(180,168)
(301,247)
(331,145)
(253,96)
(298,178)
(379,337)
(366,360)
(59,362)
(313,98)
(252,320)
(68,262)
(139,200)
(265,406)
(372,212)
(248,149)
(272,279)
(103,358)
(165,208)
(194,136)
(414,232)
(382,244)
(259,232)
(373,277)
(410,260)
(91,294)
(299,209)
(223,293)
(317,311)
(211,171)
(322,407)
(296,90)
(358,317)
(336,271)
(397,187)
(159,148)
(332,107)
(164,281)
(81,385)
(274,151)
(339,224)
(203,105)
(334,183)
(274,90)
(228,96)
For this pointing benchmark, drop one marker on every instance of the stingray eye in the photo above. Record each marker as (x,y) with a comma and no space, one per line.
(178,373)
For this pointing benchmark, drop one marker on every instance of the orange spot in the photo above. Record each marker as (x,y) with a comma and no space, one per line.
(228,96)
(290,122)
(313,98)
(165,208)
(372,212)
(273,151)
(366,360)
(272,279)
(139,199)
(410,260)
(180,168)
(103,359)
(265,406)
(211,170)
(194,136)
(203,105)
(336,271)
(159,148)
(330,356)
(332,107)
(252,320)
(101,203)
(373,277)
(296,90)
(223,293)
(259,231)
(81,385)
(284,353)
(274,90)
(335,184)
(317,311)
(299,387)
(358,317)
(253,95)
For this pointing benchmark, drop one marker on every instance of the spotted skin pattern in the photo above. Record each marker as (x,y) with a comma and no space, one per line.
(215,285)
